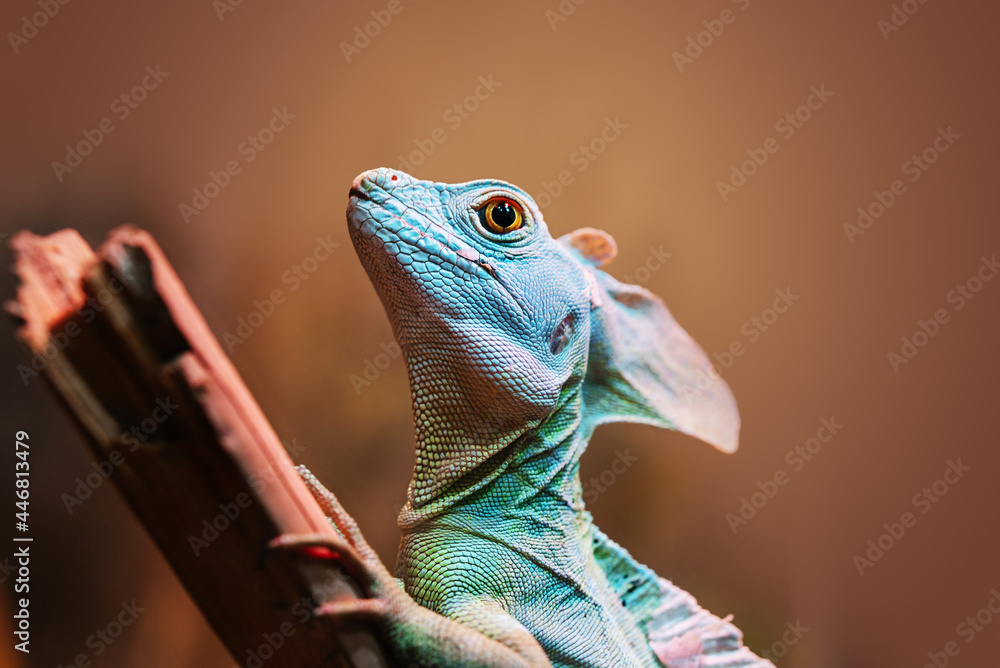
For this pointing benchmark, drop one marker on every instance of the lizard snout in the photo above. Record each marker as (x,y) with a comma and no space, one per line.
(380,178)
(361,185)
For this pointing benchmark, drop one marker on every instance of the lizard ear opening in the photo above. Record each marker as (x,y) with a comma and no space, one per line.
(643,367)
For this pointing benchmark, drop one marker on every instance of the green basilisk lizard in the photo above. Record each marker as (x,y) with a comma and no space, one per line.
(517,347)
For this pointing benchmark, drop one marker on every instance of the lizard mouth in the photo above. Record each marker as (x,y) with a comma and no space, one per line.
(375,222)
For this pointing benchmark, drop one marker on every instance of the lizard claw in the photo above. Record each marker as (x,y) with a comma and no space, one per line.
(341,520)
(329,548)
(375,582)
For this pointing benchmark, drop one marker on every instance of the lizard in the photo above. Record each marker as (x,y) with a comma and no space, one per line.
(518,345)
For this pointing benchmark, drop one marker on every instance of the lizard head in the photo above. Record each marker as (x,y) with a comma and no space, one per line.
(500,324)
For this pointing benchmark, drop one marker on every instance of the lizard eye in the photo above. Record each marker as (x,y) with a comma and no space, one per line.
(501,215)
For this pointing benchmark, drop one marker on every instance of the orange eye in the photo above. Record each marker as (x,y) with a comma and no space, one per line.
(501,215)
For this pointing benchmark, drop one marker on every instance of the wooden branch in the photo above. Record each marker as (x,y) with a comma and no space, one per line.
(136,365)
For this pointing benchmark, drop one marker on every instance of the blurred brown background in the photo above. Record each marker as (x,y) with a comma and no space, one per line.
(555,84)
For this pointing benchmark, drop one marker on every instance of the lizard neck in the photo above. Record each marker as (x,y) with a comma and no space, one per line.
(536,480)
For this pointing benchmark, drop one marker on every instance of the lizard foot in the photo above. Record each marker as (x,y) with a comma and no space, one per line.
(373,579)
(341,520)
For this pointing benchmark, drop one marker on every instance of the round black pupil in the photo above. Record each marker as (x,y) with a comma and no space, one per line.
(504,214)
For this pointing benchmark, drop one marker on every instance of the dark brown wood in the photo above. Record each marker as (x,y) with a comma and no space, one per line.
(133,360)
